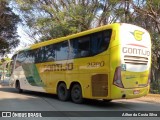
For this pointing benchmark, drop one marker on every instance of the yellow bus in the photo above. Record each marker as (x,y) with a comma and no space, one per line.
(109,62)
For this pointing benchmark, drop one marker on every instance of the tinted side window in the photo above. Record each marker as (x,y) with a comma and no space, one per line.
(38,55)
(41,54)
(50,53)
(30,56)
(80,47)
(13,62)
(44,54)
(20,59)
(107,37)
(100,41)
(62,50)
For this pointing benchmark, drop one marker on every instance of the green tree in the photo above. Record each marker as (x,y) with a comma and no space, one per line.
(54,18)
(149,18)
(8,33)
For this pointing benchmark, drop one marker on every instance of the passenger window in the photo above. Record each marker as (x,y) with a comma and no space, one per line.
(45,54)
(39,55)
(100,41)
(20,59)
(107,37)
(12,63)
(80,47)
(73,49)
(84,46)
(30,56)
(62,50)
(50,54)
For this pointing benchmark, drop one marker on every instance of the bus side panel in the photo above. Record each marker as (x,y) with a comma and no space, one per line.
(93,75)
(51,73)
(20,75)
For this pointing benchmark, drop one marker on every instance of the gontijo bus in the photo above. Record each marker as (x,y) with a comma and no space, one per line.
(108,62)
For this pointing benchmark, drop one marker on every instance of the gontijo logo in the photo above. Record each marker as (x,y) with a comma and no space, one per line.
(138,35)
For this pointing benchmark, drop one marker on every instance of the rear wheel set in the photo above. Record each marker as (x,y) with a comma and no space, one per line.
(75,93)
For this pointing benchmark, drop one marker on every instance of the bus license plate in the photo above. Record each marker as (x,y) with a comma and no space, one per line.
(136,91)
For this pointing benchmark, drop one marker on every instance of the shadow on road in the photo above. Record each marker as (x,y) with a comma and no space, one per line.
(114,105)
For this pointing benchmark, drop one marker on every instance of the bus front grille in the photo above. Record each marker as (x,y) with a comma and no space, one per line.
(99,85)
(135,60)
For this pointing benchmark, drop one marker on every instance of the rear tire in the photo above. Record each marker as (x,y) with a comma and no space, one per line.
(62,92)
(18,86)
(76,94)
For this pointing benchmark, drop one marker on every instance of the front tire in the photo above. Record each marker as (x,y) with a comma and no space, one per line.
(62,92)
(76,94)
(18,87)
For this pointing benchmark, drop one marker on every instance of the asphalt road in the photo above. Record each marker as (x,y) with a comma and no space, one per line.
(11,100)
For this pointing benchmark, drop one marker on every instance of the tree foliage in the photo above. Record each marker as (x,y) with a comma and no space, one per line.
(47,19)
(8,29)
(54,18)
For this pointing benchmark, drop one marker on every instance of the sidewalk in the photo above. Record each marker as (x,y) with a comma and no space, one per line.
(155,98)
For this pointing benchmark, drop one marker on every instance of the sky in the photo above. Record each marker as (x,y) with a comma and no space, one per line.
(24,40)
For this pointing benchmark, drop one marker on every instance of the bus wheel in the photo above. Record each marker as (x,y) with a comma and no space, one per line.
(62,92)
(76,94)
(18,87)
